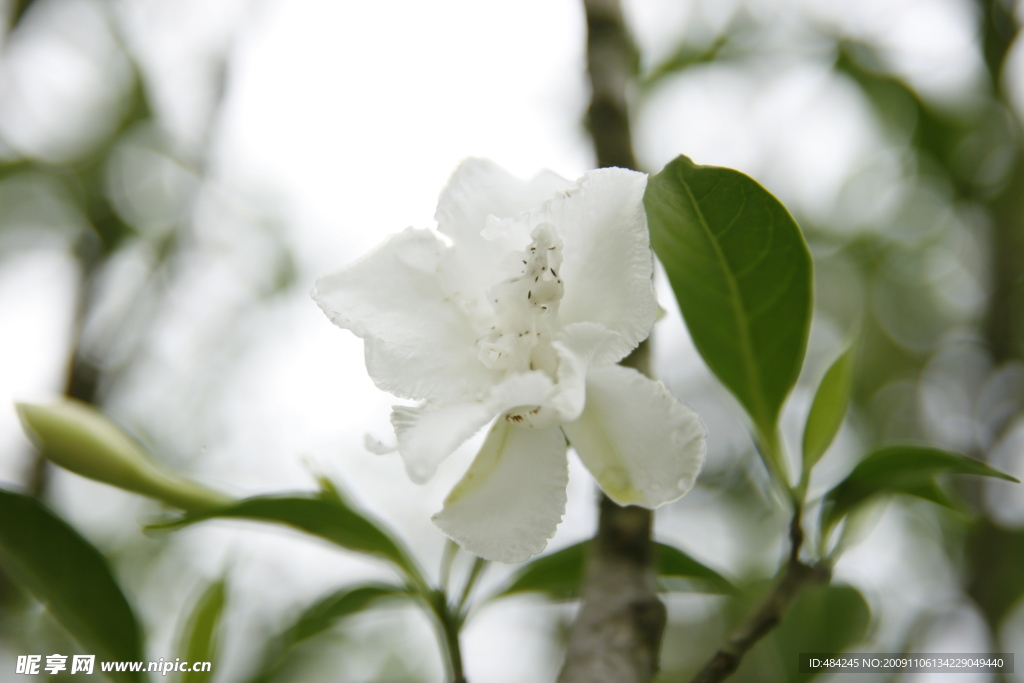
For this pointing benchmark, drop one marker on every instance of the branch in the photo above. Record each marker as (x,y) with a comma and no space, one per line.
(617,634)
(611,66)
(795,578)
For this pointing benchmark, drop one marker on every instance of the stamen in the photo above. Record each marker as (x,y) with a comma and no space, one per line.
(514,343)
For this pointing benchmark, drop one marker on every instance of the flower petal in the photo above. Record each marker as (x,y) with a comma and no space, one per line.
(512,498)
(642,446)
(419,344)
(579,347)
(429,433)
(594,342)
(479,193)
(607,262)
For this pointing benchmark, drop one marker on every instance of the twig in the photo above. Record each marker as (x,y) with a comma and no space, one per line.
(795,578)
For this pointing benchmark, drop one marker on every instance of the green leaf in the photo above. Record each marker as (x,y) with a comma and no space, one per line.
(828,409)
(327,516)
(822,619)
(741,272)
(559,575)
(201,636)
(319,617)
(909,470)
(994,559)
(70,576)
(674,565)
(685,57)
(324,613)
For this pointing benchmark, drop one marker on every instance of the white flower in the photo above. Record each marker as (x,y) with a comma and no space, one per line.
(521,314)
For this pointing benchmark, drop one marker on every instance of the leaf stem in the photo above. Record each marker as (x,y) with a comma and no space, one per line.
(769,447)
(451,549)
(448,624)
(477,570)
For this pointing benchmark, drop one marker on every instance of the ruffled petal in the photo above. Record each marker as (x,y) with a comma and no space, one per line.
(579,347)
(607,262)
(481,194)
(429,433)
(512,498)
(418,343)
(642,446)
(594,342)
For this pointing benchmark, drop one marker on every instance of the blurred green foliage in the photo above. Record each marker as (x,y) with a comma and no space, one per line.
(201,638)
(71,577)
(120,188)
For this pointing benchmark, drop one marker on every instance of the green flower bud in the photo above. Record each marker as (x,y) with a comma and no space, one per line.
(81,439)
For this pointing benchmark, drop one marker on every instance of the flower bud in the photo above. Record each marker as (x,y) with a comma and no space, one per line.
(81,439)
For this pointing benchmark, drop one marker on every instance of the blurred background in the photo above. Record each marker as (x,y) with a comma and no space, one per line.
(174,177)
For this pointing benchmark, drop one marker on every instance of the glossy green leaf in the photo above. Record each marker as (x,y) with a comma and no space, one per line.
(741,272)
(41,552)
(559,575)
(828,409)
(201,635)
(327,516)
(318,618)
(909,470)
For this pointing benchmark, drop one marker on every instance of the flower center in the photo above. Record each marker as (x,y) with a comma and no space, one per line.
(526,310)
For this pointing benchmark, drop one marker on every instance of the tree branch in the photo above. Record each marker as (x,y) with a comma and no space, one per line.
(611,66)
(617,634)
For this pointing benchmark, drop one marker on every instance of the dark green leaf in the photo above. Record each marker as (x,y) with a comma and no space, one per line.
(828,409)
(675,565)
(741,272)
(201,636)
(822,619)
(70,576)
(995,558)
(910,470)
(560,574)
(317,618)
(324,613)
(326,516)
